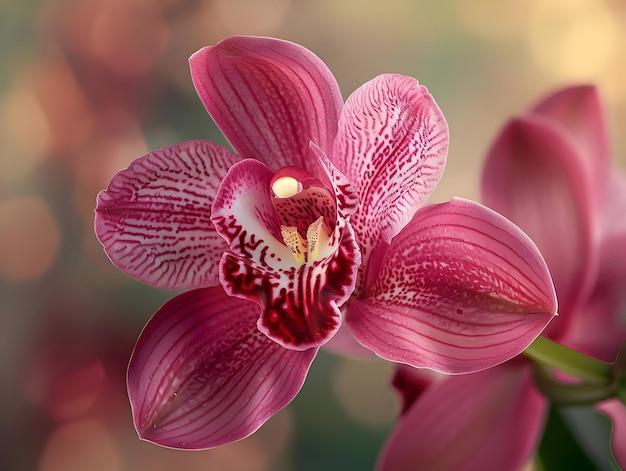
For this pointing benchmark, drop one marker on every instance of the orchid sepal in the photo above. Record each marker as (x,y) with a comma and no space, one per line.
(202,375)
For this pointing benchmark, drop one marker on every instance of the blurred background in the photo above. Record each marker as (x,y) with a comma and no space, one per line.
(86,86)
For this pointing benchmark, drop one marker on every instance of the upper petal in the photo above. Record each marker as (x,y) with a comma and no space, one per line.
(154,218)
(269,97)
(534,176)
(460,289)
(580,111)
(202,375)
(392,145)
(487,420)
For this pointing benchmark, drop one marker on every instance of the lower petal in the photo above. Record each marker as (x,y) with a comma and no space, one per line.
(300,305)
(202,374)
(460,289)
(487,420)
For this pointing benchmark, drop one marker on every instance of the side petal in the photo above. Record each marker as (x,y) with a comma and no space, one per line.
(616,411)
(392,145)
(487,420)
(269,97)
(154,218)
(580,111)
(202,375)
(534,176)
(460,289)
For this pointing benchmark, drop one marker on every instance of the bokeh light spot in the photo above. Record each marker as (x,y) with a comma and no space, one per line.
(80,446)
(573,40)
(375,408)
(24,132)
(252,16)
(490,20)
(29,238)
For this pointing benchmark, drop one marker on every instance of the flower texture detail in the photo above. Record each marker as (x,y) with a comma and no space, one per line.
(313,222)
(549,171)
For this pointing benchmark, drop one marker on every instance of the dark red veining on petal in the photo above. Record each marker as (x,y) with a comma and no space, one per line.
(300,305)
(154,217)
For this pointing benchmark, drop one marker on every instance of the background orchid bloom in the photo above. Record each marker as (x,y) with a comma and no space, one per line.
(316,210)
(550,172)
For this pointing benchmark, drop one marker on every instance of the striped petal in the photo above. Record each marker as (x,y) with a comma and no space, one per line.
(534,175)
(392,145)
(487,420)
(460,289)
(299,291)
(269,97)
(154,217)
(202,375)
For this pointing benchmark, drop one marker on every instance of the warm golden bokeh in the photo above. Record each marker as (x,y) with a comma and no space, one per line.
(29,238)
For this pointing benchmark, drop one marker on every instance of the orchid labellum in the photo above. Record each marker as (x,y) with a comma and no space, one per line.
(314,219)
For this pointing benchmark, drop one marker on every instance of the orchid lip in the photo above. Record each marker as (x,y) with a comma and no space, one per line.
(299,274)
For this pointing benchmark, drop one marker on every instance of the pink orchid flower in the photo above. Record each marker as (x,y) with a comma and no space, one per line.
(314,214)
(550,172)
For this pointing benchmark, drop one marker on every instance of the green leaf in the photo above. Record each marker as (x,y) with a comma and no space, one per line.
(562,448)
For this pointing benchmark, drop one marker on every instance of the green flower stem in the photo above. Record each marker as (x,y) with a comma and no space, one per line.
(565,394)
(553,355)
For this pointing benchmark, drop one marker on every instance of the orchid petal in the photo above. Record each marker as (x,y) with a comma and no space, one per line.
(202,375)
(154,217)
(534,176)
(269,97)
(300,302)
(392,145)
(580,111)
(599,327)
(487,420)
(347,197)
(460,289)
(613,224)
